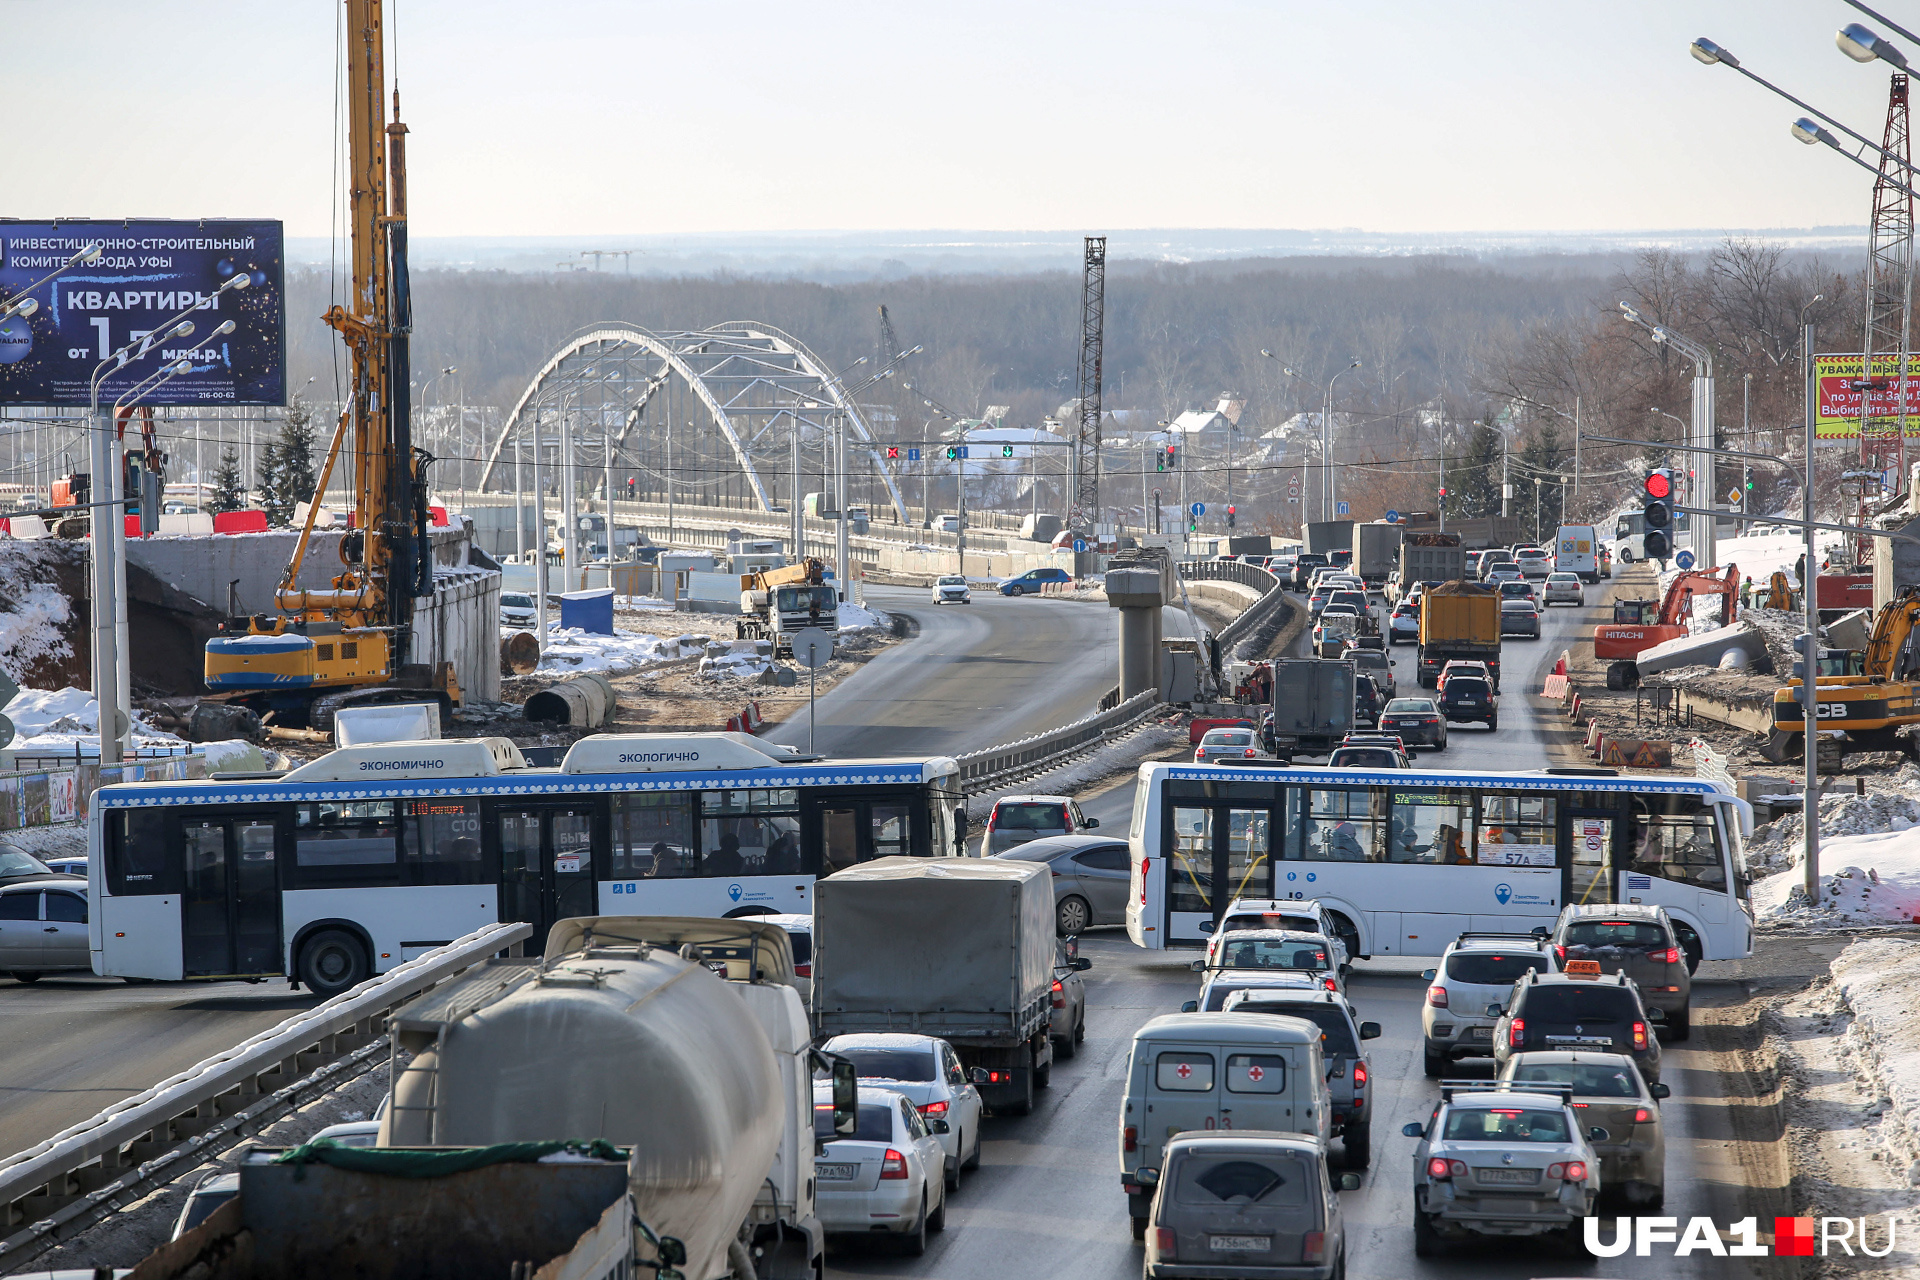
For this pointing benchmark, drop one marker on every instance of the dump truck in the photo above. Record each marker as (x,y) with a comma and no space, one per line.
(1312,706)
(1459,621)
(775,603)
(960,948)
(722,1133)
(1376,553)
(1428,557)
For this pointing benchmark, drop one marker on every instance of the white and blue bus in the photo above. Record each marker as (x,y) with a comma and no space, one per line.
(371,855)
(1407,860)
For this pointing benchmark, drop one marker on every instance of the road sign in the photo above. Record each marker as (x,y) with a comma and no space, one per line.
(1342,509)
(1198,508)
(1684,559)
(1734,496)
(812,647)
(913,455)
(1080,545)
(1393,517)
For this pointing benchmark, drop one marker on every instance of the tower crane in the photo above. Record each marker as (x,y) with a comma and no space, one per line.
(352,643)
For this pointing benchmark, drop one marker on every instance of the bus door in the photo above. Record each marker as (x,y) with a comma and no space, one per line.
(230,900)
(1216,852)
(846,828)
(547,863)
(1590,836)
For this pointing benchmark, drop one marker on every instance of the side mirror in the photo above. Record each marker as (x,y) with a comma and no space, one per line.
(1539,931)
(1597,1134)
(846,1098)
(1349,1182)
(1190,1006)
(1660,1091)
(1369,1031)
(1092,823)
(979,1075)
(1414,1130)
(1206,926)
(937,1125)
(1198,966)
(1495,1011)
(1428,975)
(1081,964)
(1654,1015)
(1147,1177)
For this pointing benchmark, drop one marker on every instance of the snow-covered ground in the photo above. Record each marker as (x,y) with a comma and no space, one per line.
(63,722)
(570,649)
(1869,861)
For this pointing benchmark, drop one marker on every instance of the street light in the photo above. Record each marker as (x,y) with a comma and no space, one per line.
(24,306)
(1327,494)
(1711,54)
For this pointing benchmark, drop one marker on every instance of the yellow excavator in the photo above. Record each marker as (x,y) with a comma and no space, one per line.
(1872,698)
(352,644)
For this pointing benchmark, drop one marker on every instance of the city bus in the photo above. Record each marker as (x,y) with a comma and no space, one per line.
(372,855)
(1406,860)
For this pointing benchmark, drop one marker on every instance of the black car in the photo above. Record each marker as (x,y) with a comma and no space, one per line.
(1367,702)
(1468,698)
(1303,569)
(1578,1010)
(1417,721)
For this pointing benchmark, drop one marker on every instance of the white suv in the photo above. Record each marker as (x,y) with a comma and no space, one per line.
(1476,970)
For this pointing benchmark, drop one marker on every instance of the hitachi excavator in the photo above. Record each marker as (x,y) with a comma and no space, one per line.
(1872,706)
(352,644)
(1632,632)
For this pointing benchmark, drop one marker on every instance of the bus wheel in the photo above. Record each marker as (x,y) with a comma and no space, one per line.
(331,961)
(1690,943)
(1626,555)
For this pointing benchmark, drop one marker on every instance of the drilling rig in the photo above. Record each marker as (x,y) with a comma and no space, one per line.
(352,644)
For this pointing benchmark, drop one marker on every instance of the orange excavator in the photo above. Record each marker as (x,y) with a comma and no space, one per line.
(1636,629)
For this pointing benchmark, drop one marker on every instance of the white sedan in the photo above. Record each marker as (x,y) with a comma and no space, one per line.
(1563,588)
(1230,746)
(952,588)
(516,609)
(926,1072)
(885,1176)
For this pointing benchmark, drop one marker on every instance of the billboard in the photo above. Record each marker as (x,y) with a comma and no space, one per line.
(149,271)
(1837,395)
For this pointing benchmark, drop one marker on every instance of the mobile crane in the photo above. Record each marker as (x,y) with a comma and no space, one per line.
(1871,705)
(1632,633)
(775,603)
(353,643)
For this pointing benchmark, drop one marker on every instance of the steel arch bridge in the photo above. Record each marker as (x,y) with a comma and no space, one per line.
(697,410)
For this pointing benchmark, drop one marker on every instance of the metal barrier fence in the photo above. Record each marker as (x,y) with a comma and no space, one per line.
(1042,747)
(1272,590)
(58,1187)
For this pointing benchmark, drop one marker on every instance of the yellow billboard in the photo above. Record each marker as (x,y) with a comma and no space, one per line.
(1838,392)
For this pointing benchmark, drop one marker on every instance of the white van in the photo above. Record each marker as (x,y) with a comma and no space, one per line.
(1191,1072)
(1576,549)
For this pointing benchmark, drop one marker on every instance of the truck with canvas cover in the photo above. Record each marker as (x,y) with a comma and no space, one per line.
(1376,552)
(552,1047)
(960,948)
(1312,706)
(1459,621)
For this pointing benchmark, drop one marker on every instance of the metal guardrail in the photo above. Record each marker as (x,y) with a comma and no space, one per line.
(1272,591)
(1042,747)
(61,1185)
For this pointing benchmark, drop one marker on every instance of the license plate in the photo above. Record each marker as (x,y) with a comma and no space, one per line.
(1239,1244)
(1479,1033)
(1508,1177)
(1604,1042)
(836,1172)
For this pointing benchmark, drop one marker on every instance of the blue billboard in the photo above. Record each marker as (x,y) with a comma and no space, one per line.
(147,273)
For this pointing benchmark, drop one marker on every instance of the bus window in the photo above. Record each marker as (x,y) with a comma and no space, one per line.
(1341,826)
(1674,838)
(1516,831)
(1189,861)
(443,842)
(345,842)
(1429,826)
(750,833)
(653,837)
(137,854)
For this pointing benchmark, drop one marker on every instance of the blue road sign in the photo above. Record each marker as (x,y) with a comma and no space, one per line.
(1684,559)
(1080,544)
(913,455)
(1342,509)
(1393,517)
(1198,508)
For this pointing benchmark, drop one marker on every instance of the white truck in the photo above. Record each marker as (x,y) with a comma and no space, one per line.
(775,603)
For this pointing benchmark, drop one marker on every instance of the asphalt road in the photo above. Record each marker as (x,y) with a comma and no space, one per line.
(976,675)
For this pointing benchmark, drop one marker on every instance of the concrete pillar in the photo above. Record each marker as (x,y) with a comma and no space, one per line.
(1139,593)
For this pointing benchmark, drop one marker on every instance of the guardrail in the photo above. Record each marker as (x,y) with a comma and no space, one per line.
(58,1187)
(1041,748)
(1272,589)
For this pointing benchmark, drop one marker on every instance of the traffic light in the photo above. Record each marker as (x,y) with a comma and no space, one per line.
(1006,451)
(1173,456)
(1658,515)
(1229,517)
(893,453)
(953,453)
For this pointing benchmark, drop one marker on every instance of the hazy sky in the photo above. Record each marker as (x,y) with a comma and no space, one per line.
(602,117)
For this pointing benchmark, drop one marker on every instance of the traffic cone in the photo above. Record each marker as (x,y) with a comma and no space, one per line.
(1560,667)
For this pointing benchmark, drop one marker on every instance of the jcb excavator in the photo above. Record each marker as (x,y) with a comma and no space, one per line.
(1632,633)
(1873,706)
(352,644)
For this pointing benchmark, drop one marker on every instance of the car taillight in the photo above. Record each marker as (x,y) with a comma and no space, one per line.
(1249,752)
(1163,1241)
(1313,1247)
(803,971)
(934,1109)
(1129,1139)
(1517,1033)
(1359,1074)
(1559,952)
(893,1166)
(1671,955)
(1145,863)
(1441,1167)
(1059,995)
(1639,1035)
(1572,1171)
(1328,983)
(1642,1116)
(1437,997)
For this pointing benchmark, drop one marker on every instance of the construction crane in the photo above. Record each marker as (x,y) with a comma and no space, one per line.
(1873,704)
(1086,447)
(889,344)
(1632,631)
(353,643)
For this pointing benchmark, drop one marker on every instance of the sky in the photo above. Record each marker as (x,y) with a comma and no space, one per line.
(610,117)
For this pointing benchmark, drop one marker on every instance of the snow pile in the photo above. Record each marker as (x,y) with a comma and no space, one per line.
(739,659)
(33,630)
(1877,980)
(1871,878)
(66,722)
(855,618)
(35,711)
(571,649)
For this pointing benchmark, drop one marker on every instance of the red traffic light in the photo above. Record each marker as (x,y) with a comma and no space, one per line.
(1443,493)
(1658,486)
(1229,510)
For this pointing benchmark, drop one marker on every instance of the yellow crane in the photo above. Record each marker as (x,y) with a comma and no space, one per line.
(352,643)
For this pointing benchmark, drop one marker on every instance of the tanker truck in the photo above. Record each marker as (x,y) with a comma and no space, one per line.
(623,1031)
(775,603)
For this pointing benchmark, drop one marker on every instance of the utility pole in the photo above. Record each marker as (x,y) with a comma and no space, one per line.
(1093,293)
(1810,609)
(540,539)
(843,566)
(1889,306)
(793,499)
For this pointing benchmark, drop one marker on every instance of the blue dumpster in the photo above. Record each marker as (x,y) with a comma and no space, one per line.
(590,611)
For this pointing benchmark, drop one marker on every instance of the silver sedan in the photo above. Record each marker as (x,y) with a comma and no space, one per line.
(1563,588)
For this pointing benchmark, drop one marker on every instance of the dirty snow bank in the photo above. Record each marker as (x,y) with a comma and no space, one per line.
(64,722)
(570,649)
(855,618)
(738,659)
(1871,877)
(1877,980)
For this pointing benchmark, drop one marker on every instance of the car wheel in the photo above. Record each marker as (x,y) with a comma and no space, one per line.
(1072,916)
(1436,1064)
(1690,944)
(953,1171)
(24,975)
(1426,1241)
(1626,557)
(1139,1226)
(1493,724)
(1016,589)
(1080,1028)
(973,1161)
(916,1239)
(938,1222)
(1679,1026)
(1357,1145)
(330,962)
(1064,1046)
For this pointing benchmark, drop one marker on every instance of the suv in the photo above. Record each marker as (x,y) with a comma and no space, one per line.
(1502,1160)
(1240,958)
(1341,1036)
(1534,562)
(1638,940)
(1018,819)
(1212,1208)
(1303,567)
(1470,698)
(1633,1155)
(1378,667)
(1475,970)
(1578,1009)
(1367,702)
